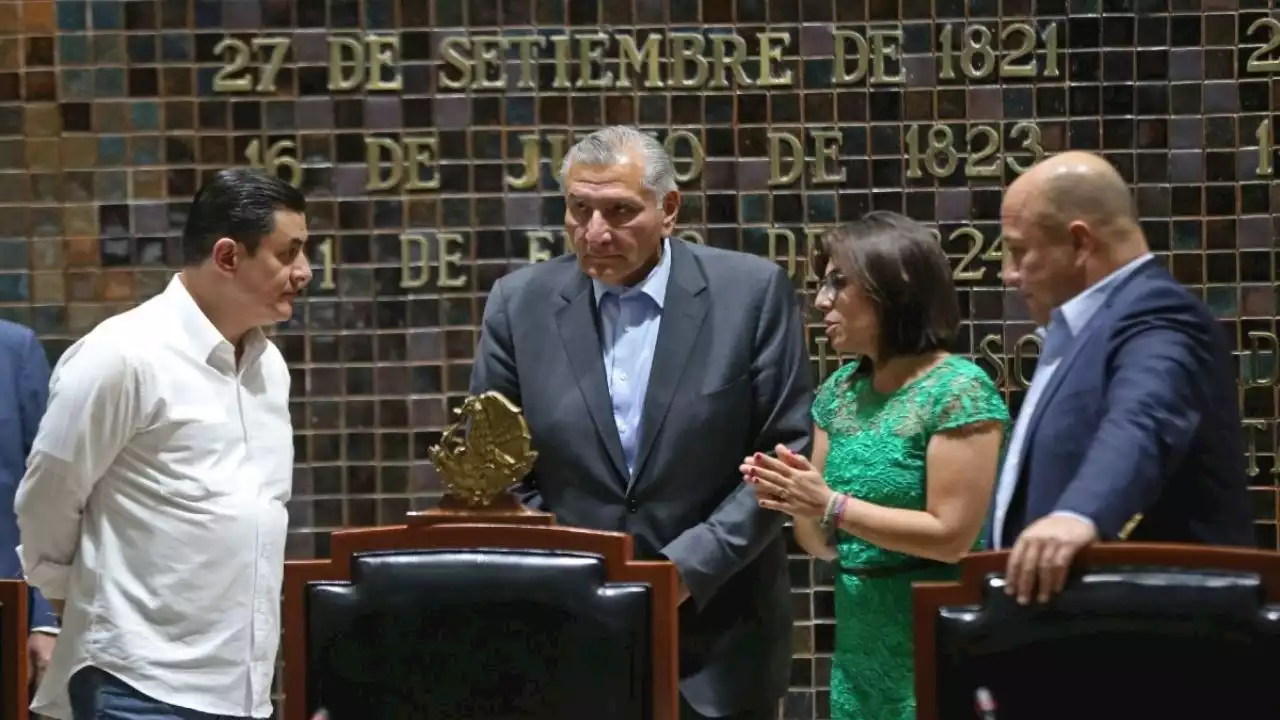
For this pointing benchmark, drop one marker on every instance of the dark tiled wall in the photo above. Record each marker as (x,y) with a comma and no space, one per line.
(112,110)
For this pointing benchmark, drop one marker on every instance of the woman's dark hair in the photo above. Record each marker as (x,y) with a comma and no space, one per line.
(901,267)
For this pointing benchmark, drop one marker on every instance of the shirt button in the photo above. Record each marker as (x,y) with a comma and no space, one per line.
(632,505)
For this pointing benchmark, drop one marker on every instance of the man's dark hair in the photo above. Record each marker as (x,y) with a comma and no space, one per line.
(239,203)
(901,267)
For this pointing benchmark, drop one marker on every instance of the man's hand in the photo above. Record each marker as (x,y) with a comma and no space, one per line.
(1041,558)
(39,653)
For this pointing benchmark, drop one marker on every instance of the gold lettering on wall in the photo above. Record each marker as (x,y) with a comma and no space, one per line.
(1263,345)
(415,261)
(281,155)
(327,264)
(448,263)
(1265,59)
(683,146)
(1266,149)
(971,239)
(370,62)
(241,73)
(408,164)
(414,274)
(1252,428)
(871,57)
(1012,372)
(1020,372)
(813,239)
(991,347)
(824,168)
(980,54)
(585,61)
(821,344)
(541,244)
(932,149)
(789,238)
(531,157)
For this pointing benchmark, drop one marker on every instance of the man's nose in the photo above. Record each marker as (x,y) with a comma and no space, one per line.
(302,273)
(1009,274)
(597,228)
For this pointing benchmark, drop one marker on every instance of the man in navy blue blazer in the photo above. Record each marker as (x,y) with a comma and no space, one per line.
(1131,427)
(24,389)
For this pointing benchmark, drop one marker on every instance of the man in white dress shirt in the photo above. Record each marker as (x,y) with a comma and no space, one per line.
(152,514)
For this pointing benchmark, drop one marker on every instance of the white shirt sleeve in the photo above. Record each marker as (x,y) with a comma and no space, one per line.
(93,411)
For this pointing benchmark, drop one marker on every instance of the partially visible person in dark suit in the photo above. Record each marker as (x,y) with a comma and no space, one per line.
(1130,427)
(647,368)
(24,390)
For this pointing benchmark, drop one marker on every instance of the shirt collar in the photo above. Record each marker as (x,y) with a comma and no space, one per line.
(205,338)
(1075,313)
(654,284)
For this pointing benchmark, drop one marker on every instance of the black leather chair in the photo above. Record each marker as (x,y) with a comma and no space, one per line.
(480,622)
(14,693)
(1140,631)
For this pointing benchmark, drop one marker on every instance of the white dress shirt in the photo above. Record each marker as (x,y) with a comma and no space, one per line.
(154,504)
(1065,324)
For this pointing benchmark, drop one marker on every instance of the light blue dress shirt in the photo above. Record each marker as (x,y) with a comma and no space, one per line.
(1065,324)
(629,323)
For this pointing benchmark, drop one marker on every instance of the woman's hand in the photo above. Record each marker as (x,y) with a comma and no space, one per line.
(787,483)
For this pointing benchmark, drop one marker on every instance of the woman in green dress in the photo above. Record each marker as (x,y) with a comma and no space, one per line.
(906,448)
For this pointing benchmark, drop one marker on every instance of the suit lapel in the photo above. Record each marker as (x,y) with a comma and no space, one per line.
(1100,319)
(576,320)
(682,315)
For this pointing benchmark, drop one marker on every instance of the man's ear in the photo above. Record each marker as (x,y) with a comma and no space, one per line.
(1084,241)
(226,255)
(670,211)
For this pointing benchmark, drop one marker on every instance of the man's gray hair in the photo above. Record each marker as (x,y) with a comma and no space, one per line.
(608,146)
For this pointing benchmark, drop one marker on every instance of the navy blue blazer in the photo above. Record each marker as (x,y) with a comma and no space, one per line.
(1141,416)
(24,391)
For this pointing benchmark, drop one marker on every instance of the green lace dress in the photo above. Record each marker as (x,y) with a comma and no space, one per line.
(877,454)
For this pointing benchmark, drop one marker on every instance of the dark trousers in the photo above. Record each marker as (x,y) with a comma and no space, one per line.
(687,712)
(97,695)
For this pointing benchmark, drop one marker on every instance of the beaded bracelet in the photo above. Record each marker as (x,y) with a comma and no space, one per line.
(835,504)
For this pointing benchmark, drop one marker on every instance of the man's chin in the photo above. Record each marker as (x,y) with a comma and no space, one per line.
(605,272)
(283,312)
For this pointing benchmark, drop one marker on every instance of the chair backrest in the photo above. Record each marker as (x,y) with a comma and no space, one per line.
(1141,630)
(480,621)
(14,693)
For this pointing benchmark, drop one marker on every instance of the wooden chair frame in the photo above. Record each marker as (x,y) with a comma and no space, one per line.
(615,548)
(928,597)
(13,598)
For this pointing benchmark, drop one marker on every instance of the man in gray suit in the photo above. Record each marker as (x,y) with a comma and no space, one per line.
(648,368)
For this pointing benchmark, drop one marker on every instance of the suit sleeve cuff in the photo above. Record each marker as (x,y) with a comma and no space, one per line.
(695,562)
(46,630)
(1077,516)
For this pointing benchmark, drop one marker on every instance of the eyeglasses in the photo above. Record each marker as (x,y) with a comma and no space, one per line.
(832,283)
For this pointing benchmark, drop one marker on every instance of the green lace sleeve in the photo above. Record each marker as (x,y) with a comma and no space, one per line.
(967,396)
(831,394)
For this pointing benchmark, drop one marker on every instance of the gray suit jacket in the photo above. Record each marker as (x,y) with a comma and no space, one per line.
(730,377)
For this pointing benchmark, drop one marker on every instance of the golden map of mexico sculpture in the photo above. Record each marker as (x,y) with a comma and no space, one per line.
(480,456)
